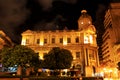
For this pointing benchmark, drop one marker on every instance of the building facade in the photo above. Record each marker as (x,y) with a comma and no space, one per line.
(111,36)
(81,43)
(4,41)
(111,39)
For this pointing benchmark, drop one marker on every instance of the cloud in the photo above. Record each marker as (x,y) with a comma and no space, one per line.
(47,4)
(12,14)
(51,25)
(68,1)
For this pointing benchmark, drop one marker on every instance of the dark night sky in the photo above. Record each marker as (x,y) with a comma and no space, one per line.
(17,16)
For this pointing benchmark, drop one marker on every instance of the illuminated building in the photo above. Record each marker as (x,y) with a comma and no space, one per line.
(81,43)
(111,37)
(4,41)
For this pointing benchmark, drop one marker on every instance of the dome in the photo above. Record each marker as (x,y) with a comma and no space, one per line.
(84,20)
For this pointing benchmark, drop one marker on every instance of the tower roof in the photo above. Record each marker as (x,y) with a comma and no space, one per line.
(83,11)
(84,20)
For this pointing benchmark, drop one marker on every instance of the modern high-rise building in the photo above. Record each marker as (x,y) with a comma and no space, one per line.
(111,36)
(111,40)
(82,43)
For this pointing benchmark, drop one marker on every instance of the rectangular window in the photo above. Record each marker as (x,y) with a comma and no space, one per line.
(77,39)
(68,40)
(77,55)
(45,41)
(38,41)
(27,41)
(53,40)
(86,39)
(91,54)
(61,40)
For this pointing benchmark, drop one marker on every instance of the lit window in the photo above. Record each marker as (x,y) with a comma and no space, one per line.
(23,41)
(68,40)
(86,39)
(53,40)
(91,39)
(41,42)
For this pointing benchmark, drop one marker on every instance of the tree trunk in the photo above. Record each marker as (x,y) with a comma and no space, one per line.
(28,70)
(19,70)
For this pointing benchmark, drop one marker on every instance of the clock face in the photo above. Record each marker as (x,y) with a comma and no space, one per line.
(84,23)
